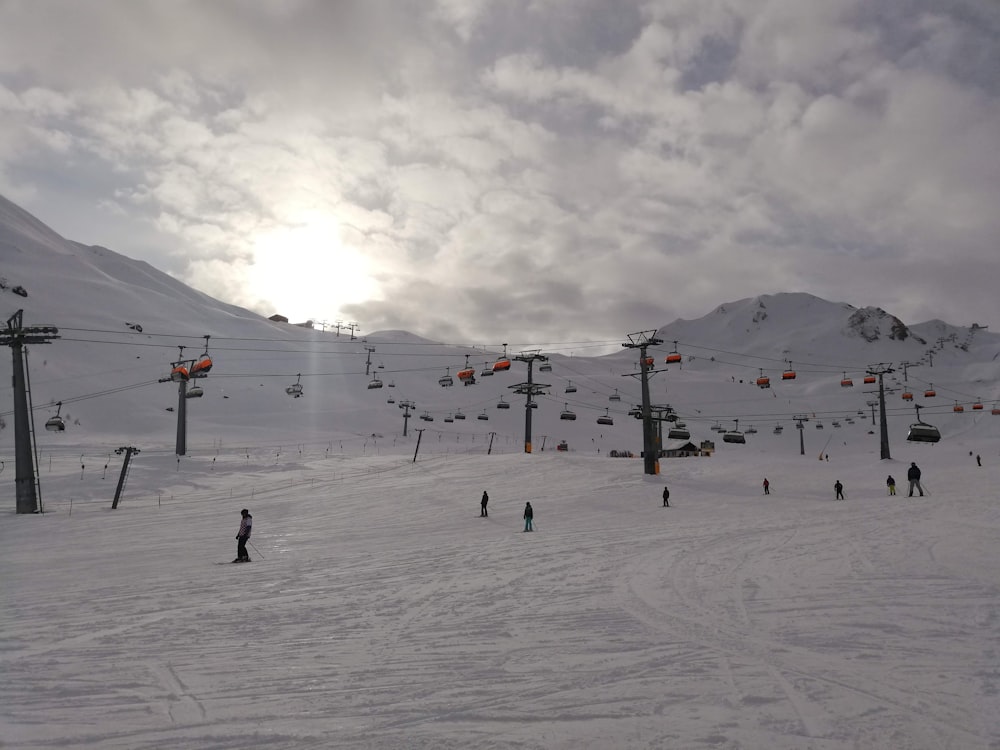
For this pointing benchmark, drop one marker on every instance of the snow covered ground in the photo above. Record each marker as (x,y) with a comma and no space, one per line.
(381,611)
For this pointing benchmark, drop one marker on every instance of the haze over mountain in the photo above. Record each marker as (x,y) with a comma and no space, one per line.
(92,294)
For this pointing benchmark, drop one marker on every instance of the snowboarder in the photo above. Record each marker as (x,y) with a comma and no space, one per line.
(529,516)
(243,536)
(891,484)
(767,487)
(979,460)
(840,490)
(666,498)
(913,476)
(482,505)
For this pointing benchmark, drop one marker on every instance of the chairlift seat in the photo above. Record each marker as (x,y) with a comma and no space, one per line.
(55,424)
(921,432)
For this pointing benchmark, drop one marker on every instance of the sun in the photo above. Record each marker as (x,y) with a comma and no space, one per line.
(307,272)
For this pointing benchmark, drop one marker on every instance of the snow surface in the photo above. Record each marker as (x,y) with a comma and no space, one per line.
(381,611)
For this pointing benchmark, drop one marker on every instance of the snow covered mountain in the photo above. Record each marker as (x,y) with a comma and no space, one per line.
(105,372)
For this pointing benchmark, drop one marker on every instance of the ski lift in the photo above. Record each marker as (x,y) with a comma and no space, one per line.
(869,380)
(606,419)
(566,413)
(381,365)
(502,404)
(614,396)
(819,425)
(716,427)
(545,367)
(484,416)
(835,424)
(203,364)
(789,373)
(763,381)
(467,374)
(846,382)
(678,433)
(194,392)
(446,381)
(56,423)
(778,429)
(978,406)
(930,392)
(179,372)
(636,412)
(995,411)
(958,408)
(295,389)
(459,415)
(733,436)
(532,404)
(649,362)
(921,432)
(375,383)
(751,430)
(570,388)
(449,419)
(427,417)
(390,400)
(673,357)
(907,396)
(487,370)
(502,364)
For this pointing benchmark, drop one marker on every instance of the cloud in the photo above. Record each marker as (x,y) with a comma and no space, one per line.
(527,169)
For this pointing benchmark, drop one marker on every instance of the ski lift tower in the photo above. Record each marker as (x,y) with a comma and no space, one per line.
(16,335)
(880,370)
(650,452)
(529,389)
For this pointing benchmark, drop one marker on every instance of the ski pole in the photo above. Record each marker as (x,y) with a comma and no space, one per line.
(256,550)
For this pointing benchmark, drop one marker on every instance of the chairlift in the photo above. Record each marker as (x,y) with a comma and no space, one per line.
(427,417)
(446,381)
(459,415)
(203,364)
(486,371)
(650,362)
(614,396)
(392,384)
(819,425)
(467,374)
(179,372)
(545,367)
(835,424)
(846,382)
(778,429)
(733,436)
(958,408)
(295,389)
(869,380)
(678,433)
(789,373)
(502,364)
(375,383)
(921,432)
(907,396)
(56,423)
(978,406)
(606,419)
(449,419)
(194,392)
(751,430)
(502,404)
(532,404)
(763,381)
(390,400)
(484,416)
(570,388)
(673,357)
(930,392)
(566,413)
(716,427)
(995,411)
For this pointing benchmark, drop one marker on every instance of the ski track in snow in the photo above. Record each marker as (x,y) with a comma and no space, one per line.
(382,612)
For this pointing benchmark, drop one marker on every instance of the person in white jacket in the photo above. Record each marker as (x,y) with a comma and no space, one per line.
(242,536)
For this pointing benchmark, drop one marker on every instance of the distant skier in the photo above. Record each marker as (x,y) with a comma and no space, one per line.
(840,490)
(529,515)
(666,498)
(891,484)
(979,460)
(482,505)
(913,477)
(243,536)
(767,487)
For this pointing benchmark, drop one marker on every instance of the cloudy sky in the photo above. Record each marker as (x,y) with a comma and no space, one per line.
(526,170)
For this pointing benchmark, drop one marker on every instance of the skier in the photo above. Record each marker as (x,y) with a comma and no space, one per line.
(913,476)
(891,484)
(482,505)
(666,498)
(979,460)
(840,490)
(243,536)
(529,516)
(767,487)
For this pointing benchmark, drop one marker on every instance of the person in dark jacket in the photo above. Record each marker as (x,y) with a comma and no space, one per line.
(482,505)
(529,515)
(891,484)
(767,487)
(913,477)
(666,498)
(840,490)
(242,536)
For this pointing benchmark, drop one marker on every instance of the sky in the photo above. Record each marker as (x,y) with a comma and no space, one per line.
(526,170)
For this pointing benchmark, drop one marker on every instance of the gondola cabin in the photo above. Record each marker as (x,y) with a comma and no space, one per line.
(920,432)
